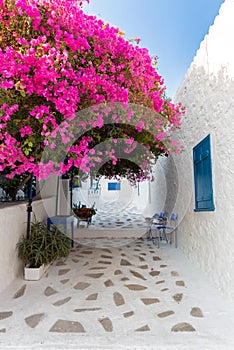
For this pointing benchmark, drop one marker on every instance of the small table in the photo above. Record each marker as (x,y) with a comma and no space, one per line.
(87,220)
(64,220)
(158,230)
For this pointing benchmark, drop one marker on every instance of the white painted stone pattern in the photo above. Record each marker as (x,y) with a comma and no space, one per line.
(207,92)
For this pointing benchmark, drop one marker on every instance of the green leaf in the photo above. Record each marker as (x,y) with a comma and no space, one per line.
(17,84)
(22,93)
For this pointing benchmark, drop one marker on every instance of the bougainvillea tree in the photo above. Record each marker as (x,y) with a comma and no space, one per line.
(57,63)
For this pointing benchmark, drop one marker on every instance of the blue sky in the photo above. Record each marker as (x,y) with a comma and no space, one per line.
(170,29)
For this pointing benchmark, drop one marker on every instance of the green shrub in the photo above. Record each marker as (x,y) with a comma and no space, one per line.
(43,246)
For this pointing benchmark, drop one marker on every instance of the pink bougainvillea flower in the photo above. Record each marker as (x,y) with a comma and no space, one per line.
(26,130)
(57,61)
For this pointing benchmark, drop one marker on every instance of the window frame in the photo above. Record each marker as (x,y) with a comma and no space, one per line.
(203,182)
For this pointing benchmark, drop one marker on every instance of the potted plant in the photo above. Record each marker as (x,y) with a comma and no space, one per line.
(41,248)
(83,213)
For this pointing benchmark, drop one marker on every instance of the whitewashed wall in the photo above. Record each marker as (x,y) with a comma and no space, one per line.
(207,92)
(148,199)
(13,224)
(163,190)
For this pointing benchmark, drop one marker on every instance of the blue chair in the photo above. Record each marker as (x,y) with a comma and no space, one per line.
(163,215)
(160,230)
(149,222)
(158,227)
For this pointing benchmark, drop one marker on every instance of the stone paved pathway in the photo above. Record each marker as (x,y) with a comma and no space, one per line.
(113,215)
(116,293)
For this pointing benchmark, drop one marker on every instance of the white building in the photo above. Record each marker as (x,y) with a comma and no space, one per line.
(207,92)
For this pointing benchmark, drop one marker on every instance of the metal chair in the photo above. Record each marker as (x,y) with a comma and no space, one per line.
(160,230)
(149,222)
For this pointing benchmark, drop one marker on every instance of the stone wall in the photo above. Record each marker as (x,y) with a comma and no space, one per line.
(207,92)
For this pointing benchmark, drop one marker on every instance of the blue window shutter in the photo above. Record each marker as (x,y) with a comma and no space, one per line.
(113,186)
(203,176)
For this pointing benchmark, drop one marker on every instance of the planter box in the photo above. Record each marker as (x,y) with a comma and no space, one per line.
(33,273)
